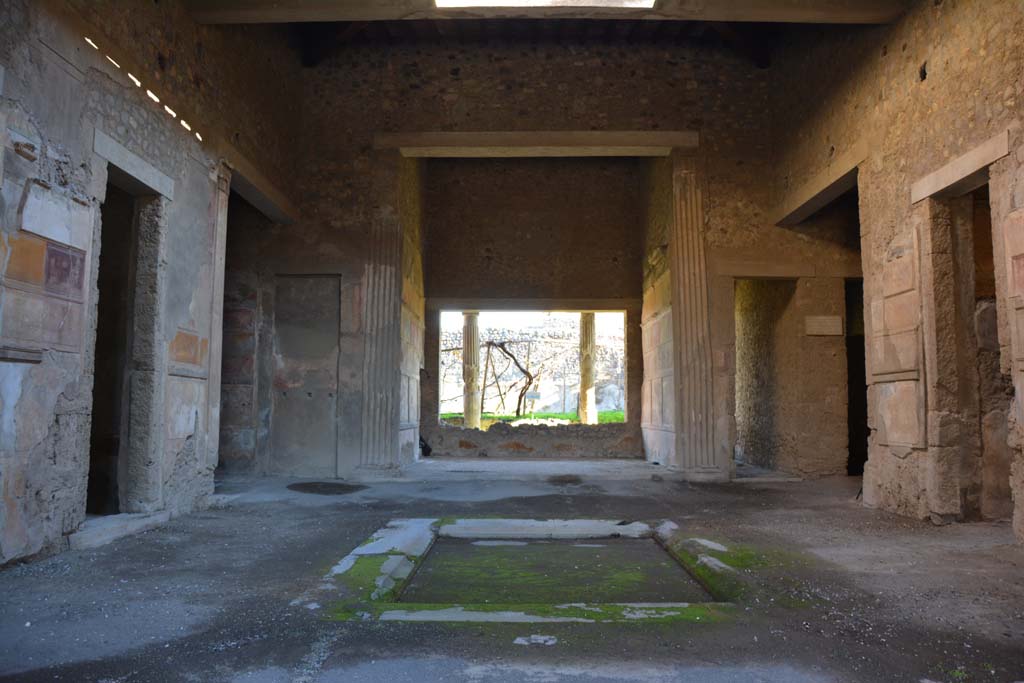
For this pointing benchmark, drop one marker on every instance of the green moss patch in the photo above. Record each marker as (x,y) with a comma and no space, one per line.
(549,572)
(361,579)
(749,557)
(725,586)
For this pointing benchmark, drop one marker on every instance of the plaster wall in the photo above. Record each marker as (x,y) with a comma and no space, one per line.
(413,309)
(915,94)
(658,406)
(67,114)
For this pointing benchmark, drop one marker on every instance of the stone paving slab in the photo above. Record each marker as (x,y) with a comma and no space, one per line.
(411,537)
(552,529)
(98,531)
(456,614)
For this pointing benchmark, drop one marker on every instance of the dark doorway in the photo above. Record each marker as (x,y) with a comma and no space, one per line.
(856,382)
(990,392)
(113,322)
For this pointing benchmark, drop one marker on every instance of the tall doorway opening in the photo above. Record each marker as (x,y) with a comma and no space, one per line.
(766,334)
(113,326)
(856,384)
(987,391)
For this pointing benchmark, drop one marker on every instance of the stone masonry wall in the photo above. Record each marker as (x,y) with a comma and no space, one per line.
(59,100)
(533,228)
(927,89)
(240,81)
(616,440)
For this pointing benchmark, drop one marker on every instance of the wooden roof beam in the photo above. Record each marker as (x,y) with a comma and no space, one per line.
(773,11)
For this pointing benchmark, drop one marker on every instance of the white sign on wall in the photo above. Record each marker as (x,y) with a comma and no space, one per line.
(823,326)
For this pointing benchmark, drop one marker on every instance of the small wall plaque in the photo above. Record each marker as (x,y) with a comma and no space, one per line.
(823,326)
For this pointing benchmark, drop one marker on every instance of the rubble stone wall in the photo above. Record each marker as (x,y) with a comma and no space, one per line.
(617,440)
(534,228)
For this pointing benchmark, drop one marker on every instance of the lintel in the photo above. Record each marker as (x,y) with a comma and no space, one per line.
(965,173)
(749,263)
(139,173)
(839,177)
(571,305)
(502,144)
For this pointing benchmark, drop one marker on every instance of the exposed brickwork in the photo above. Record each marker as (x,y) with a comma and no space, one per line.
(534,228)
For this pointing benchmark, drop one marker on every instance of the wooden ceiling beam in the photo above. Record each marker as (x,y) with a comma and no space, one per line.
(772,11)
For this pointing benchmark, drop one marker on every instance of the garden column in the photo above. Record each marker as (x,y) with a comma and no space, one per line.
(588,393)
(471,370)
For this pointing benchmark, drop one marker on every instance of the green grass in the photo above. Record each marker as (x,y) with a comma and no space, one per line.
(603,417)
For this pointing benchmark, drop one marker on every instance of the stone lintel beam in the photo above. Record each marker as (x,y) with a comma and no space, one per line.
(564,305)
(503,144)
(254,187)
(839,177)
(964,174)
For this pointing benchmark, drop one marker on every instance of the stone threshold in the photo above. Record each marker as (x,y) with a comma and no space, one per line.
(101,530)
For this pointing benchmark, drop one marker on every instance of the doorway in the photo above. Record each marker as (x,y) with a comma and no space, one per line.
(988,390)
(856,382)
(766,335)
(113,325)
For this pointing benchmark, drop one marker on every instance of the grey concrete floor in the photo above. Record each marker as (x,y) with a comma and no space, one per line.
(207,596)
